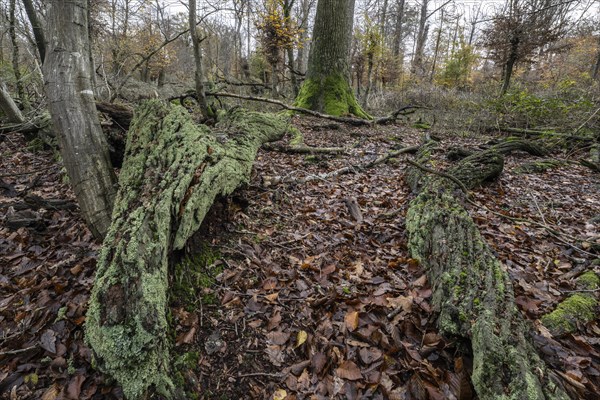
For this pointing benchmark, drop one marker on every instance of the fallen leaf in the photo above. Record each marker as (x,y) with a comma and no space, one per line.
(348,370)
(301,338)
(351,320)
(280,394)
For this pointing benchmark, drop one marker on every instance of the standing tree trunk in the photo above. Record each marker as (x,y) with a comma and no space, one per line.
(199,73)
(437,47)
(172,173)
(71,101)
(287,12)
(417,64)
(15,53)
(472,291)
(8,106)
(596,71)
(326,88)
(510,62)
(301,59)
(38,31)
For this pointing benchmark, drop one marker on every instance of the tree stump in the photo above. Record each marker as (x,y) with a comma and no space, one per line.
(173,171)
(472,291)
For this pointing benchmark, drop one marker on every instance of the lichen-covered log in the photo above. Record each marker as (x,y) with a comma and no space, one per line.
(471,289)
(173,171)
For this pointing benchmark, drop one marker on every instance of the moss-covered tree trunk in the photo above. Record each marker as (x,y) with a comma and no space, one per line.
(173,171)
(472,290)
(326,88)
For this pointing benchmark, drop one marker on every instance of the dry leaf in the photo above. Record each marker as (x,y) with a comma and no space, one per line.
(351,320)
(348,370)
(280,394)
(301,338)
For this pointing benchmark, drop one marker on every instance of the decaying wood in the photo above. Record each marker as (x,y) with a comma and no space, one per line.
(173,171)
(346,120)
(8,106)
(304,149)
(354,209)
(472,292)
(119,113)
(594,167)
(275,180)
(534,132)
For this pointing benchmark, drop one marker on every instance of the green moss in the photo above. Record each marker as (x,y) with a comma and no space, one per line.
(421,125)
(297,137)
(589,280)
(35,145)
(195,273)
(311,159)
(331,95)
(578,308)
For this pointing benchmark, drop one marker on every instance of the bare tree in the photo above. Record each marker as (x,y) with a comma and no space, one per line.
(522,28)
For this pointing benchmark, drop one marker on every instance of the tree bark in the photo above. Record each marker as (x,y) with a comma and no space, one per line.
(15,52)
(510,62)
(417,64)
(199,73)
(173,171)
(472,291)
(397,43)
(71,102)
(8,106)
(326,88)
(38,31)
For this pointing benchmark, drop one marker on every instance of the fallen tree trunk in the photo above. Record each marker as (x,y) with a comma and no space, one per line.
(472,291)
(173,171)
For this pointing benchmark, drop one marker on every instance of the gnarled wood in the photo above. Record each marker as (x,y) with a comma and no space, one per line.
(173,171)
(472,291)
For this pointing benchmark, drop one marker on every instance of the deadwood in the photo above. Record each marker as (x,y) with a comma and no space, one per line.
(173,171)
(346,120)
(472,292)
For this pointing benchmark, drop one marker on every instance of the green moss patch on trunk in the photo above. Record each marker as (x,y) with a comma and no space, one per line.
(331,95)
(472,291)
(173,171)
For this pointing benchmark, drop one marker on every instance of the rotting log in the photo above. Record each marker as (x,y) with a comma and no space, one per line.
(173,171)
(472,292)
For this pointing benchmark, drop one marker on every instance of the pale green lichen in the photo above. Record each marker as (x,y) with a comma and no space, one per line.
(331,95)
(579,308)
(172,173)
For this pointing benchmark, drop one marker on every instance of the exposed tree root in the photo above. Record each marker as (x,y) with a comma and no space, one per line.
(173,171)
(471,290)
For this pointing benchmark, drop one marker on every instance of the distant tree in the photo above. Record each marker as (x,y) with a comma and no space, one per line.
(326,88)
(199,71)
(38,31)
(522,28)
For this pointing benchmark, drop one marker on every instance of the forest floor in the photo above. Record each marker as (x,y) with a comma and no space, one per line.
(306,301)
